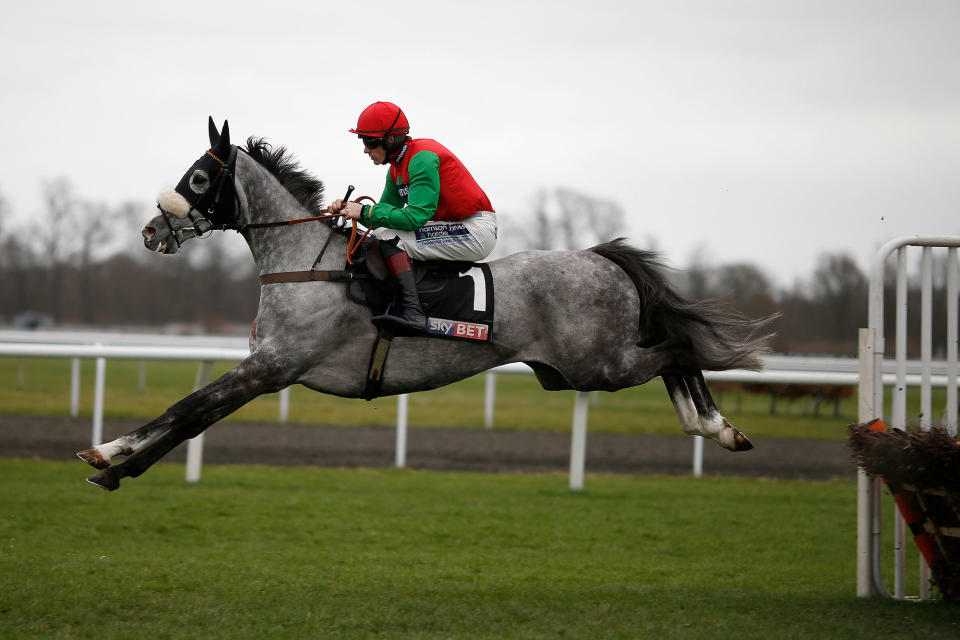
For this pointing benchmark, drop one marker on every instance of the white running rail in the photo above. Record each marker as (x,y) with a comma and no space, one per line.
(103,346)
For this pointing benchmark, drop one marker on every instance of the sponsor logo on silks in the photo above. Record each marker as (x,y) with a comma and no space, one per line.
(458,329)
(442,233)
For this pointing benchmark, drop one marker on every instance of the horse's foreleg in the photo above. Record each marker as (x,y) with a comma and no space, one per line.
(185,419)
(100,456)
(698,413)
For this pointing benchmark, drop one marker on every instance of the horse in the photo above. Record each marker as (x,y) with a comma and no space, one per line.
(604,318)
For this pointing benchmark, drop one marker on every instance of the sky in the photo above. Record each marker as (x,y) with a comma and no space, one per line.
(769,132)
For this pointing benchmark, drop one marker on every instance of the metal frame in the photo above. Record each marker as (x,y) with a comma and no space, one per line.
(869,490)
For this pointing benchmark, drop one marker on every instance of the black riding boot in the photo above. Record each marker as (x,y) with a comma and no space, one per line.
(410,314)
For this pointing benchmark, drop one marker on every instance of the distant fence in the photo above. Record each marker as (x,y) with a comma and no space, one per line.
(100,346)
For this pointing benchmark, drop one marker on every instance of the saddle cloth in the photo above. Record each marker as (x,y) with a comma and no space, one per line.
(457,298)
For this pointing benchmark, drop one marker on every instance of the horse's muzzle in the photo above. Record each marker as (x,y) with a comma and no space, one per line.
(153,243)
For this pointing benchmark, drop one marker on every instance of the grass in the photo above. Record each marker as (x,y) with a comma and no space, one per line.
(40,386)
(256,552)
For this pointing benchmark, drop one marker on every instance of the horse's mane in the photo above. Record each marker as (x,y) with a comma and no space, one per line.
(305,188)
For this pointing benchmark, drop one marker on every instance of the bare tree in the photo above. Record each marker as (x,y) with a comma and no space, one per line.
(840,290)
(566,219)
(696,277)
(55,231)
(743,282)
(94,230)
(4,212)
(587,220)
(532,230)
(16,260)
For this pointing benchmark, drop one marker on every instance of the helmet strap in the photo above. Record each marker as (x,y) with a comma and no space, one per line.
(397,157)
(396,119)
(398,140)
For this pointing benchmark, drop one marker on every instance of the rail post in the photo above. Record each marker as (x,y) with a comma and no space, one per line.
(697,456)
(403,404)
(489,398)
(578,441)
(195,444)
(74,387)
(283,410)
(100,382)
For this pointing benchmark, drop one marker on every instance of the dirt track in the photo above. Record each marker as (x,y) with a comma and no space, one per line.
(449,449)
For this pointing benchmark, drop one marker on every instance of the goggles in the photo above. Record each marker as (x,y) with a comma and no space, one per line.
(371,143)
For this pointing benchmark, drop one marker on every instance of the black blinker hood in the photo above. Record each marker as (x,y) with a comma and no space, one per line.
(218,203)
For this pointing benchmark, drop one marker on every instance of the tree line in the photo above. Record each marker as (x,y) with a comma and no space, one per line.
(81,263)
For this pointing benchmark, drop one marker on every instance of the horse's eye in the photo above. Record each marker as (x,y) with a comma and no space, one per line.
(199,181)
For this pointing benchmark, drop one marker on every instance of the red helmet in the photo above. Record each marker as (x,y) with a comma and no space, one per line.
(381,119)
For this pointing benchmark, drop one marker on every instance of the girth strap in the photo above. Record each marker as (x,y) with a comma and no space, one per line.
(378,359)
(381,346)
(314,275)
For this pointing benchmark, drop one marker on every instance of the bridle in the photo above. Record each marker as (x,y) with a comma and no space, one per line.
(209,201)
(223,188)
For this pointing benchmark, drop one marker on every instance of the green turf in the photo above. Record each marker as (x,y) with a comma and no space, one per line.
(256,552)
(521,403)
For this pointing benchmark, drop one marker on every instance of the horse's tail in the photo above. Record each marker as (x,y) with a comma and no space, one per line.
(721,338)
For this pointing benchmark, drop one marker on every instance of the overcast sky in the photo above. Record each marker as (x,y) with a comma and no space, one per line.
(766,131)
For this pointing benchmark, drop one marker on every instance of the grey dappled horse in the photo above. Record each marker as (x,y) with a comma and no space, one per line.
(603,318)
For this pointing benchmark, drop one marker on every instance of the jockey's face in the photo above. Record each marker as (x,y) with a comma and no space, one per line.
(378,155)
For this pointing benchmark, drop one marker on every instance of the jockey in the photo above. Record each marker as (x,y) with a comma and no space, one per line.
(431,207)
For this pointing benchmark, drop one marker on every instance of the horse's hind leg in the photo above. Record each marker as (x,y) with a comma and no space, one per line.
(682,403)
(714,424)
(698,413)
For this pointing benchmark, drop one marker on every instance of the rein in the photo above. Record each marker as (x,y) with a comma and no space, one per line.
(352,245)
(281,223)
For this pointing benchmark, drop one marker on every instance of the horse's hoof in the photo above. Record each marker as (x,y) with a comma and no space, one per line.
(105,480)
(731,438)
(93,458)
(740,441)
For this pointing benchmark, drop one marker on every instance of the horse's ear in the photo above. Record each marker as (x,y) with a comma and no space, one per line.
(222,145)
(225,135)
(214,134)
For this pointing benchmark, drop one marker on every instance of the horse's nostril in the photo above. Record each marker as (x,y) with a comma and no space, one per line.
(148,233)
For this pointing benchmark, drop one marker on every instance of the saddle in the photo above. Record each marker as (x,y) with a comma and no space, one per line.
(457,297)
